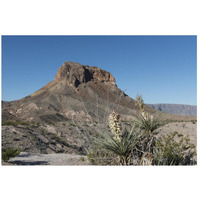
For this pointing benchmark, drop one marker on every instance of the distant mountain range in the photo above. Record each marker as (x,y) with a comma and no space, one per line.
(178,109)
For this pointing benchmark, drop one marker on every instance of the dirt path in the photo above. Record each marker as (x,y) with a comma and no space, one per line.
(48,159)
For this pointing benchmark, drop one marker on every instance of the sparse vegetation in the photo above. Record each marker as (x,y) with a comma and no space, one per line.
(194,121)
(9,153)
(82,159)
(59,139)
(171,151)
(32,124)
(14,123)
(73,111)
(141,145)
(73,124)
(44,130)
(102,157)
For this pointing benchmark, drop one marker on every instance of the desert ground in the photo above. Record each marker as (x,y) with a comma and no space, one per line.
(25,158)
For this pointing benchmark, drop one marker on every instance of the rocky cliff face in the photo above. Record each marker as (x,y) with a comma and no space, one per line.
(76,91)
(75,74)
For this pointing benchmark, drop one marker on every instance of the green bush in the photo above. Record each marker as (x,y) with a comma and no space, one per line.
(194,121)
(9,153)
(174,149)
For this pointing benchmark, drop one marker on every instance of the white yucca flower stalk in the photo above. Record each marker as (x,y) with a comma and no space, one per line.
(114,124)
(147,116)
(144,114)
(140,104)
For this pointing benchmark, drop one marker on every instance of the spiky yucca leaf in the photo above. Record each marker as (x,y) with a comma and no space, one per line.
(148,123)
(122,148)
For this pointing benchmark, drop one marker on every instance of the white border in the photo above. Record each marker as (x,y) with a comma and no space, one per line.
(100,18)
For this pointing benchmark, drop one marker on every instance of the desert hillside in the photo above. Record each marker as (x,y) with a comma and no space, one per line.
(65,114)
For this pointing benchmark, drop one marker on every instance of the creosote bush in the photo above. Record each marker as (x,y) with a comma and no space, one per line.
(170,150)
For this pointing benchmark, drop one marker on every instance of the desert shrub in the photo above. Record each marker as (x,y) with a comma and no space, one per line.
(82,159)
(58,139)
(14,123)
(102,157)
(170,150)
(9,153)
(194,121)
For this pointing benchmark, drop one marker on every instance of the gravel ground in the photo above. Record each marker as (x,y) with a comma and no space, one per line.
(48,159)
(185,128)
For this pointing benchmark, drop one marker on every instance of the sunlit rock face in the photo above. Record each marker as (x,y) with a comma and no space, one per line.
(75,74)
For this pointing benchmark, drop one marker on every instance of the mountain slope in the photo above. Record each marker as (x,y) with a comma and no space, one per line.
(77,91)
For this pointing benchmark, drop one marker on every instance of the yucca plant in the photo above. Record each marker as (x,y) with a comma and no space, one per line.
(144,121)
(139,102)
(122,148)
(148,123)
(117,142)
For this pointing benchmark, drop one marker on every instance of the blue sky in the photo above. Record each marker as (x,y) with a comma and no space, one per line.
(160,68)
